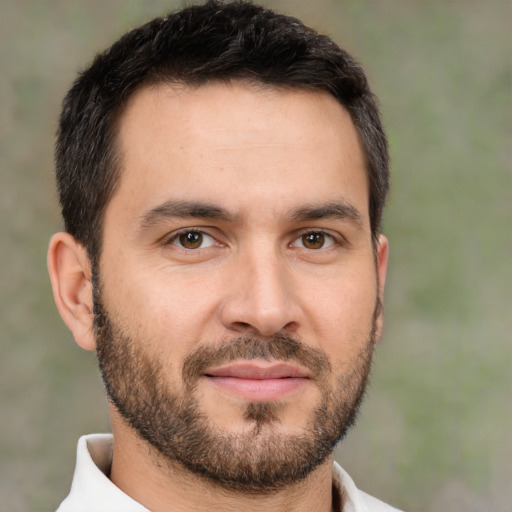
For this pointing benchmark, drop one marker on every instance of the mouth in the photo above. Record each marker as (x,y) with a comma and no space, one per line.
(258,380)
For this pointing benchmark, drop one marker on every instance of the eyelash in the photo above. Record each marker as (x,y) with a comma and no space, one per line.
(332,239)
(326,234)
(176,236)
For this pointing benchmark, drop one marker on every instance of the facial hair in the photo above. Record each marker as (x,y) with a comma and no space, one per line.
(260,460)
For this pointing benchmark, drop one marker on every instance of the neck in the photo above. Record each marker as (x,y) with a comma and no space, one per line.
(141,474)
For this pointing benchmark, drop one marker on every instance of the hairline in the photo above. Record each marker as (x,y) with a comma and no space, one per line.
(114,158)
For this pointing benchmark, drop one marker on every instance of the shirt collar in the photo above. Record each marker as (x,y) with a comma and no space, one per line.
(346,496)
(92,490)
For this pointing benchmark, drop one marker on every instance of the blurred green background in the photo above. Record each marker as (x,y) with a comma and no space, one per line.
(435,431)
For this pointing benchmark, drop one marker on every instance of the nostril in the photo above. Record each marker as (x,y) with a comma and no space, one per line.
(290,327)
(242,325)
(261,313)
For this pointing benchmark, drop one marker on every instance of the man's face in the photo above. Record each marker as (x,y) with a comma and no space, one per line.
(238,300)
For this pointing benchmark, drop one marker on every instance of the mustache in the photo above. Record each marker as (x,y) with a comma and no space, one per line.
(280,347)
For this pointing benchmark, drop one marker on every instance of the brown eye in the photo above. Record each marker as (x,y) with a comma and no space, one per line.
(190,239)
(313,240)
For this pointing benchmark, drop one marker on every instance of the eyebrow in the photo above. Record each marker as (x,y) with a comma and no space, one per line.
(337,210)
(182,209)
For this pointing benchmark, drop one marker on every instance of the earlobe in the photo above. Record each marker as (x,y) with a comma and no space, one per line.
(382,267)
(70,274)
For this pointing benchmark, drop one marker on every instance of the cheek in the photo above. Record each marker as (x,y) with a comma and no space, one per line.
(168,310)
(342,315)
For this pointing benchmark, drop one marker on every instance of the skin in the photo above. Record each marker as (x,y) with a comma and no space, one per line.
(261,155)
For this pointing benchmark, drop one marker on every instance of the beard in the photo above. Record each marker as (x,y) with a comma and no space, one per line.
(261,459)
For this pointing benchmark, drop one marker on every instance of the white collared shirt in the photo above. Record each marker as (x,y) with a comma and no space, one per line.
(92,490)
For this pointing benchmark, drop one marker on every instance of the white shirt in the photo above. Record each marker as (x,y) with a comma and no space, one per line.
(92,491)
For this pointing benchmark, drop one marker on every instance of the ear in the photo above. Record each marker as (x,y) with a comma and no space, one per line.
(382,253)
(70,275)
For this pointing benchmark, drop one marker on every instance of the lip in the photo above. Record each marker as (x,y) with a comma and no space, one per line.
(258,380)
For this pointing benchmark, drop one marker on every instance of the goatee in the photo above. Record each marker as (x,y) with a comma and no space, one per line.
(261,460)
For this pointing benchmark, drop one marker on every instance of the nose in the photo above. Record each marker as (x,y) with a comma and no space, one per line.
(260,298)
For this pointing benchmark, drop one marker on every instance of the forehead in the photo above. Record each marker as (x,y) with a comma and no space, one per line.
(240,105)
(238,141)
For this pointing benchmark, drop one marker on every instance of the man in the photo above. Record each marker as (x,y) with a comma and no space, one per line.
(222,174)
